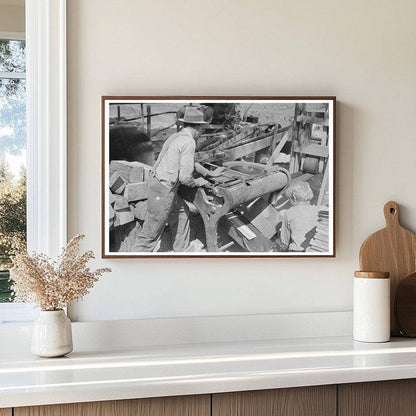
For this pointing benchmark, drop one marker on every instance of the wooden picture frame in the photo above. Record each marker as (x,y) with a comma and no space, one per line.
(277,179)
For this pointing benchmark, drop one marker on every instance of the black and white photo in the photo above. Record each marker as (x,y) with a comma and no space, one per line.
(218,176)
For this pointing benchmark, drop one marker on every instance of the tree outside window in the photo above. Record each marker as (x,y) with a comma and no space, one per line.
(12,156)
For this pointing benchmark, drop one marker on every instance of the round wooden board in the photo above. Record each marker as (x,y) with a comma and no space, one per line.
(405,306)
(393,250)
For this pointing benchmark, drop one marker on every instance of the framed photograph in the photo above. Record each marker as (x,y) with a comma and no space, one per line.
(218,176)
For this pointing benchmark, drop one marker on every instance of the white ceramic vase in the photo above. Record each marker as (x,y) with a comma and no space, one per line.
(52,334)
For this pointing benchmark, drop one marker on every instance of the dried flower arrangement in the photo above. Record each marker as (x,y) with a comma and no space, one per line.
(53,285)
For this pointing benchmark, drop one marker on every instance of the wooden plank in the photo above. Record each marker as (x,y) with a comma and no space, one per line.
(315,107)
(136,174)
(121,167)
(313,120)
(136,191)
(246,149)
(120,202)
(276,138)
(391,249)
(263,216)
(278,149)
(124,168)
(5,412)
(321,135)
(234,140)
(116,220)
(208,140)
(117,183)
(142,114)
(110,212)
(311,149)
(160,406)
(244,233)
(209,156)
(294,165)
(149,120)
(324,185)
(301,401)
(381,398)
(124,216)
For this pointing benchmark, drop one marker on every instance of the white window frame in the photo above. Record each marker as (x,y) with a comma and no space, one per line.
(14,312)
(46,127)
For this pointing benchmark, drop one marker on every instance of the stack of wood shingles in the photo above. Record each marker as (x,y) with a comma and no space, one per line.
(128,192)
(320,241)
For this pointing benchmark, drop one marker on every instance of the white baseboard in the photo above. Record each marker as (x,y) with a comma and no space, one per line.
(103,335)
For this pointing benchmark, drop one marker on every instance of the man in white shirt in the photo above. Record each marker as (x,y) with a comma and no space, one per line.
(174,166)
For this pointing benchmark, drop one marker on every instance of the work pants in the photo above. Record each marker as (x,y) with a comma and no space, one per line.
(163,206)
(179,225)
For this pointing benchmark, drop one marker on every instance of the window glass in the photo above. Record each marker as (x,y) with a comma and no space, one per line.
(12,56)
(12,157)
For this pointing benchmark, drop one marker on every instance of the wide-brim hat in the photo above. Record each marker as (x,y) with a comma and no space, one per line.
(193,115)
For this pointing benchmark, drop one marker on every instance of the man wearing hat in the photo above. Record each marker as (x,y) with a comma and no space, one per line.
(174,166)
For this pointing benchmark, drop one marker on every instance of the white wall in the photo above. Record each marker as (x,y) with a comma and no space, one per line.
(361,51)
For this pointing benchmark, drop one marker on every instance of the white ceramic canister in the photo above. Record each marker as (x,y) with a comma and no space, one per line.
(371,313)
(52,334)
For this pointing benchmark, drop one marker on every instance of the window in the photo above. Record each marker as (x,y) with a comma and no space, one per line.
(12,153)
(45,89)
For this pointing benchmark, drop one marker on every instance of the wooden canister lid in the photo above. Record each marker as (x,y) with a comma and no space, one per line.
(372,275)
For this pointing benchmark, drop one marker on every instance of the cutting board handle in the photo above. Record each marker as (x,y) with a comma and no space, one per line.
(391,213)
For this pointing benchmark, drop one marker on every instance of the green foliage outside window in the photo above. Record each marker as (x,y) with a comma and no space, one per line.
(12,145)
(12,223)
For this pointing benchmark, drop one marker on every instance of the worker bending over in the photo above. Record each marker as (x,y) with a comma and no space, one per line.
(174,166)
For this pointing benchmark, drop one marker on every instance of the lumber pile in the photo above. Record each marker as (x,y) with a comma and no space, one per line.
(320,242)
(128,192)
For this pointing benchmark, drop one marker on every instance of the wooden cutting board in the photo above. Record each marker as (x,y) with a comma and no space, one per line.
(405,306)
(393,250)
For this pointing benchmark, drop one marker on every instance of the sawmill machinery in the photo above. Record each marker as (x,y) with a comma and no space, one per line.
(252,153)
(241,183)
